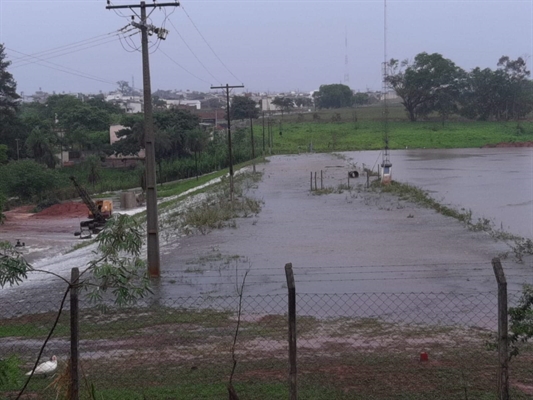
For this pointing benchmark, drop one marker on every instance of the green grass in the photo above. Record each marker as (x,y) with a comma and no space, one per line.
(168,353)
(368,132)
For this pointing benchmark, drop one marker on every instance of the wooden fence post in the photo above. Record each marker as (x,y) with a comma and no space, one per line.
(311,181)
(503,342)
(321,180)
(293,387)
(74,339)
(316,187)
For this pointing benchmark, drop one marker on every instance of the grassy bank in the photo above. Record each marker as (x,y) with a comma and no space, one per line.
(180,353)
(368,135)
(338,130)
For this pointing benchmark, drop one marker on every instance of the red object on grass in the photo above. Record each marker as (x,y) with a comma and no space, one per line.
(424,356)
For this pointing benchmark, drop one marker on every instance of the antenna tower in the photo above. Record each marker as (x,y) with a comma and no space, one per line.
(346,65)
(384,93)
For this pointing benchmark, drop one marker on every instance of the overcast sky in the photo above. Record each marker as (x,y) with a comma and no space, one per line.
(265,45)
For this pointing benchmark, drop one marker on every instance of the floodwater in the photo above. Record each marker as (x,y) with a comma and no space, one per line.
(493,183)
(354,240)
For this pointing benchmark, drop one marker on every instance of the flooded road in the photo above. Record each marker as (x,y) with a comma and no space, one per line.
(345,241)
(494,183)
(350,242)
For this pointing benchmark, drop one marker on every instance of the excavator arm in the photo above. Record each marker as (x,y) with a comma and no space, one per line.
(87,199)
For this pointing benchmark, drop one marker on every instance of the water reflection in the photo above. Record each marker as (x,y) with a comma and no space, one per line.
(493,183)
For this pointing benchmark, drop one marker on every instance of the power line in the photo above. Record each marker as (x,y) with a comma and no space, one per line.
(192,52)
(25,62)
(182,67)
(76,45)
(62,68)
(208,45)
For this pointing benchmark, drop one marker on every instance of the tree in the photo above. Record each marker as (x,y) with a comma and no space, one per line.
(100,103)
(303,102)
(334,96)
(40,145)
(94,167)
(517,97)
(428,84)
(243,107)
(28,180)
(213,102)
(361,99)
(286,104)
(9,105)
(175,123)
(198,141)
(503,94)
(124,88)
(117,268)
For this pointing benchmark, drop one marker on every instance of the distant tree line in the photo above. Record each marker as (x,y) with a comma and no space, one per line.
(434,84)
(33,135)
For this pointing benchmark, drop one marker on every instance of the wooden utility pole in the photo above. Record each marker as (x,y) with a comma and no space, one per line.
(253,143)
(230,156)
(152,223)
(263,133)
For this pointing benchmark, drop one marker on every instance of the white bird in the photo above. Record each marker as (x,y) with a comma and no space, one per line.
(46,367)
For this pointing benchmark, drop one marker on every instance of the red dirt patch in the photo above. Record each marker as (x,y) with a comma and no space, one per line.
(64,210)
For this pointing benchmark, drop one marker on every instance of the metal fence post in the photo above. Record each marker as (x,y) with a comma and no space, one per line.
(293,387)
(503,343)
(74,339)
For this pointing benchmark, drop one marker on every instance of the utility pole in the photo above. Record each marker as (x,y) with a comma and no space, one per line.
(152,223)
(263,133)
(253,144)
(228,87)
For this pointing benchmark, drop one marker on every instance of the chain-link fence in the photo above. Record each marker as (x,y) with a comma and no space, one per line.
(349,346)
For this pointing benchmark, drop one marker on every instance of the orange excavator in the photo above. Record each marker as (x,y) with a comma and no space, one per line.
(99,212)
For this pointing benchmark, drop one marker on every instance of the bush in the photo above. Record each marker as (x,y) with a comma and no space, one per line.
(28,180)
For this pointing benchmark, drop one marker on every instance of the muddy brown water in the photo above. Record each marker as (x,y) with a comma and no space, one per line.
(350,242)
(355,241)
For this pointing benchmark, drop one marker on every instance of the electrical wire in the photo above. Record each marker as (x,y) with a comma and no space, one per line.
(192,52)
(208,45)
(119,12)
(77,49)
(62,68)
(156,45)
(104,38)
(182,67)
(132,46)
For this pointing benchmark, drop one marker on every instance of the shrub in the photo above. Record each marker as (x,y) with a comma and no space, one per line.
(28,180)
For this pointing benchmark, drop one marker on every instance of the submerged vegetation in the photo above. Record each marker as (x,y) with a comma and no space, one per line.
(519,246)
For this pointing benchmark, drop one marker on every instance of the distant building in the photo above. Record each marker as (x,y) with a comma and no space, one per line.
(191,103)
(120,160)
(130,104)
(266,104)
